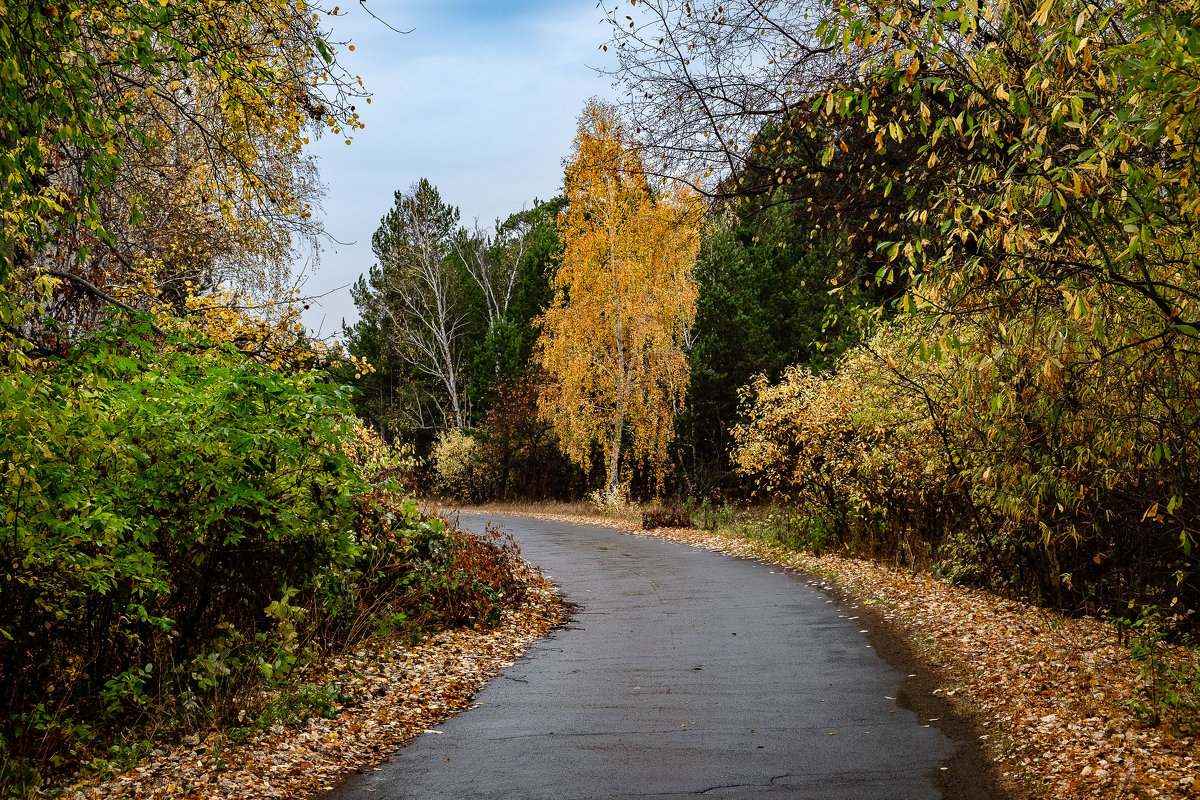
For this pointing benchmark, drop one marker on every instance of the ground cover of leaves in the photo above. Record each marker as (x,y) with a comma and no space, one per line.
(395,694)
(1047,693)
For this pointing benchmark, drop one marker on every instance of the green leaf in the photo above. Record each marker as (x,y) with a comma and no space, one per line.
(323,49)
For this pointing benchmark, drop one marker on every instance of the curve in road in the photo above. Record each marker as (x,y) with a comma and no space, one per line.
(684,673)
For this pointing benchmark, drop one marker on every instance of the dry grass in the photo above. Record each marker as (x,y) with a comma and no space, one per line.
(630,513)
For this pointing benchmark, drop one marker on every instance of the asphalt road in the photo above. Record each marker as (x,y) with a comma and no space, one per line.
(684,673)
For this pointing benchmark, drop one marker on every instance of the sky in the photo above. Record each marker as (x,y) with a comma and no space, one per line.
(481,98)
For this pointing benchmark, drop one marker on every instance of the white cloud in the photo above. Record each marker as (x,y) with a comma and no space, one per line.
(481,99)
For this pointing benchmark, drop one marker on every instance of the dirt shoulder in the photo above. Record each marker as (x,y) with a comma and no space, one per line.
(1047,696)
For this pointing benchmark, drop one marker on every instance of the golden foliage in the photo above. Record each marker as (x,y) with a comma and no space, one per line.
(379,461)
(857,443)
(151,144)
(613,340)
(1000,448)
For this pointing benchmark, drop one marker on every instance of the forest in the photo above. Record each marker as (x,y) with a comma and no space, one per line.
(941,306)
(913,281)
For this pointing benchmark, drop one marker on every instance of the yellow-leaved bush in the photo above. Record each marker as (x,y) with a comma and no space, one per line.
(1004,452)
(853,450)
(456,464)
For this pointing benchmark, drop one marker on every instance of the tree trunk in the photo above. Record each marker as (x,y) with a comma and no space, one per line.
(614,462)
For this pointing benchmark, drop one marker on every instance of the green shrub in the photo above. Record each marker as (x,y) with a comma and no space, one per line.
(156,504)
(712,516)
(184,528)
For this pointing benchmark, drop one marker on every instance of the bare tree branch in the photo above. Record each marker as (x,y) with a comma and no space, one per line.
(100,294)
(701,78)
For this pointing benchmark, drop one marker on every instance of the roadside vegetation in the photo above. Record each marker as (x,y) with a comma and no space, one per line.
(902,282)
(192,518)
(189,534)
(944,310)
(945,314)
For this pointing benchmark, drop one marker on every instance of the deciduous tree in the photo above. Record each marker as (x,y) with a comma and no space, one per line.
(613,341)
(414,295)
(703,77)
(523,252)
(134,136)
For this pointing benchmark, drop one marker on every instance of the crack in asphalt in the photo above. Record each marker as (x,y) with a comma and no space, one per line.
(696,793)
(771,782)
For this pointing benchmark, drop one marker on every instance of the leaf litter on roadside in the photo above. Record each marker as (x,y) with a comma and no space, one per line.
(391,694)
(1054,696)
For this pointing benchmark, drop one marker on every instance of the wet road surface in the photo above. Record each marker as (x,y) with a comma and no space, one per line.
(684,673)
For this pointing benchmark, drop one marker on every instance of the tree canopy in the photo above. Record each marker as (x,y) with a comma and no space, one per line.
(612,342)
(1018,180)
(150,150)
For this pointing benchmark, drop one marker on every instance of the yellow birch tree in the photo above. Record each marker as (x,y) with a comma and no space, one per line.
(613,341)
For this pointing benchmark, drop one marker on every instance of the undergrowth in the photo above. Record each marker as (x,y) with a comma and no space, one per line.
(190,533)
